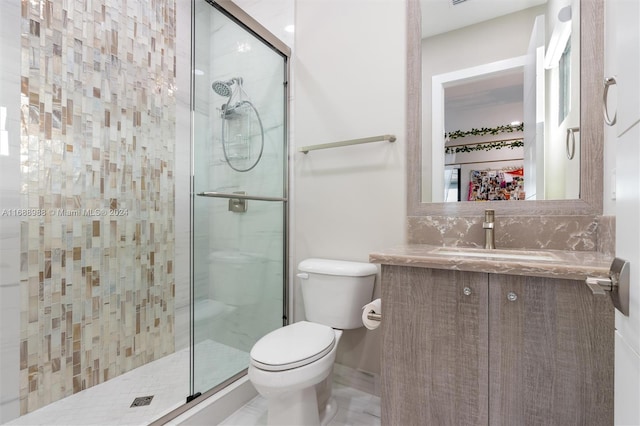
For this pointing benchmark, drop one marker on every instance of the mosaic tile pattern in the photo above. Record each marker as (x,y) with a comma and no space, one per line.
(97,161)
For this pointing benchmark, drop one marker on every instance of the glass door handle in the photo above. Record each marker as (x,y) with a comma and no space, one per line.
(239,196)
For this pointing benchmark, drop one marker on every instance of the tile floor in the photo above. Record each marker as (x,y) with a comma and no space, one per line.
(355,408)
(167,379)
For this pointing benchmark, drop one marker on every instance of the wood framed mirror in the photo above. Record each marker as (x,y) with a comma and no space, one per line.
(591,129)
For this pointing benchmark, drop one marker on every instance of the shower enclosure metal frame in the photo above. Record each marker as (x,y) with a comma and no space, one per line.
(252,26)
(248,23)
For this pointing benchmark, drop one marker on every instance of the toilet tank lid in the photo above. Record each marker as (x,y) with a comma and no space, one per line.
(337,267)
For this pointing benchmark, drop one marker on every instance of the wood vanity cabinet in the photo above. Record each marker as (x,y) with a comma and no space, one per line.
(470,348)
(434,347)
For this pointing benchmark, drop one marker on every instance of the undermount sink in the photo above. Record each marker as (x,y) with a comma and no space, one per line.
(495,254)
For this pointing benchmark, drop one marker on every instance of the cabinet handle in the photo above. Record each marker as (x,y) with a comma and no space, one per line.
(512,297)
(608,82)
(466,291)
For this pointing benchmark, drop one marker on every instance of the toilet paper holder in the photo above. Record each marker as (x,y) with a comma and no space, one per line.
(617,285)
(374,317)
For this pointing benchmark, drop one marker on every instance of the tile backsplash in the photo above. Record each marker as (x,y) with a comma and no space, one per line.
(580,233)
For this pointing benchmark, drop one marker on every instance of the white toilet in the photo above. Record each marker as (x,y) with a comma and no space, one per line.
(291,366)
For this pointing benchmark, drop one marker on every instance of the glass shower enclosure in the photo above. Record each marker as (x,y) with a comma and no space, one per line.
(143,157)
(239,193)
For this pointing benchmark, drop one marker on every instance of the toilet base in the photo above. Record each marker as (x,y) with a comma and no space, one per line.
(329,412)
(300,408)
(294,408)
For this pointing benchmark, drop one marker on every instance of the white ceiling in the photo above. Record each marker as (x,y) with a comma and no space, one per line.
(439,16)
(502,89)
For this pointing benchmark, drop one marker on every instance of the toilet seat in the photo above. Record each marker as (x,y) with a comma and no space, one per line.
(293,346)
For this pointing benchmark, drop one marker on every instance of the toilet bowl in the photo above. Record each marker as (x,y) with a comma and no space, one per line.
(292,366)
(297,390)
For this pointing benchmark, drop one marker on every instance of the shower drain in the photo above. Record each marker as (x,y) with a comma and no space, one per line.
(141,401)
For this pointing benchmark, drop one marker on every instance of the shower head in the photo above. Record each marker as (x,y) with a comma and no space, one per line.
(223,88)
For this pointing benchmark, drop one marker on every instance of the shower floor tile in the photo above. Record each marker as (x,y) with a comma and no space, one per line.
(166,379)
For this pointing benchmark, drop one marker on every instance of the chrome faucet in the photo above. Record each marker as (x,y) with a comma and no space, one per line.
(489,225)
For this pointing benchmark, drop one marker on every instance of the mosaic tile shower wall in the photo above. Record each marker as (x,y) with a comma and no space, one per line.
(97,162)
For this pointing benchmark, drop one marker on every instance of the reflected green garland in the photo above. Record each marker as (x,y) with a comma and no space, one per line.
(487,146)
(456,134)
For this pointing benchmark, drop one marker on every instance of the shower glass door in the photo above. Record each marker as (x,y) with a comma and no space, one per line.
(239,187)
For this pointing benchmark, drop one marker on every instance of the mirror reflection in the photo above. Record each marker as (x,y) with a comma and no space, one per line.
(500,90)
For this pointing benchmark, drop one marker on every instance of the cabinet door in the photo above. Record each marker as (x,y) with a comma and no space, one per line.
(551,353)
(434,347)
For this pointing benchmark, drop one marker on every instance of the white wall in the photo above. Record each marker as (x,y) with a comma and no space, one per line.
(349,63)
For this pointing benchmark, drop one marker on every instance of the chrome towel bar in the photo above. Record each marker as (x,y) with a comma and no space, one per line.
(306,149)
(239,196)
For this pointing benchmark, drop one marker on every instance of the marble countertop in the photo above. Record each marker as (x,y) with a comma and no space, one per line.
(574,265)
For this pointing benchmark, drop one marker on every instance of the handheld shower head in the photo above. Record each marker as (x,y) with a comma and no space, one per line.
(222,88)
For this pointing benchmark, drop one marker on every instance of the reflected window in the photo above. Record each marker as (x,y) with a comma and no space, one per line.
(452,184)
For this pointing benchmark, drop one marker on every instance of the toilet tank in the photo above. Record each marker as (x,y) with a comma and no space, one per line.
(334,291)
